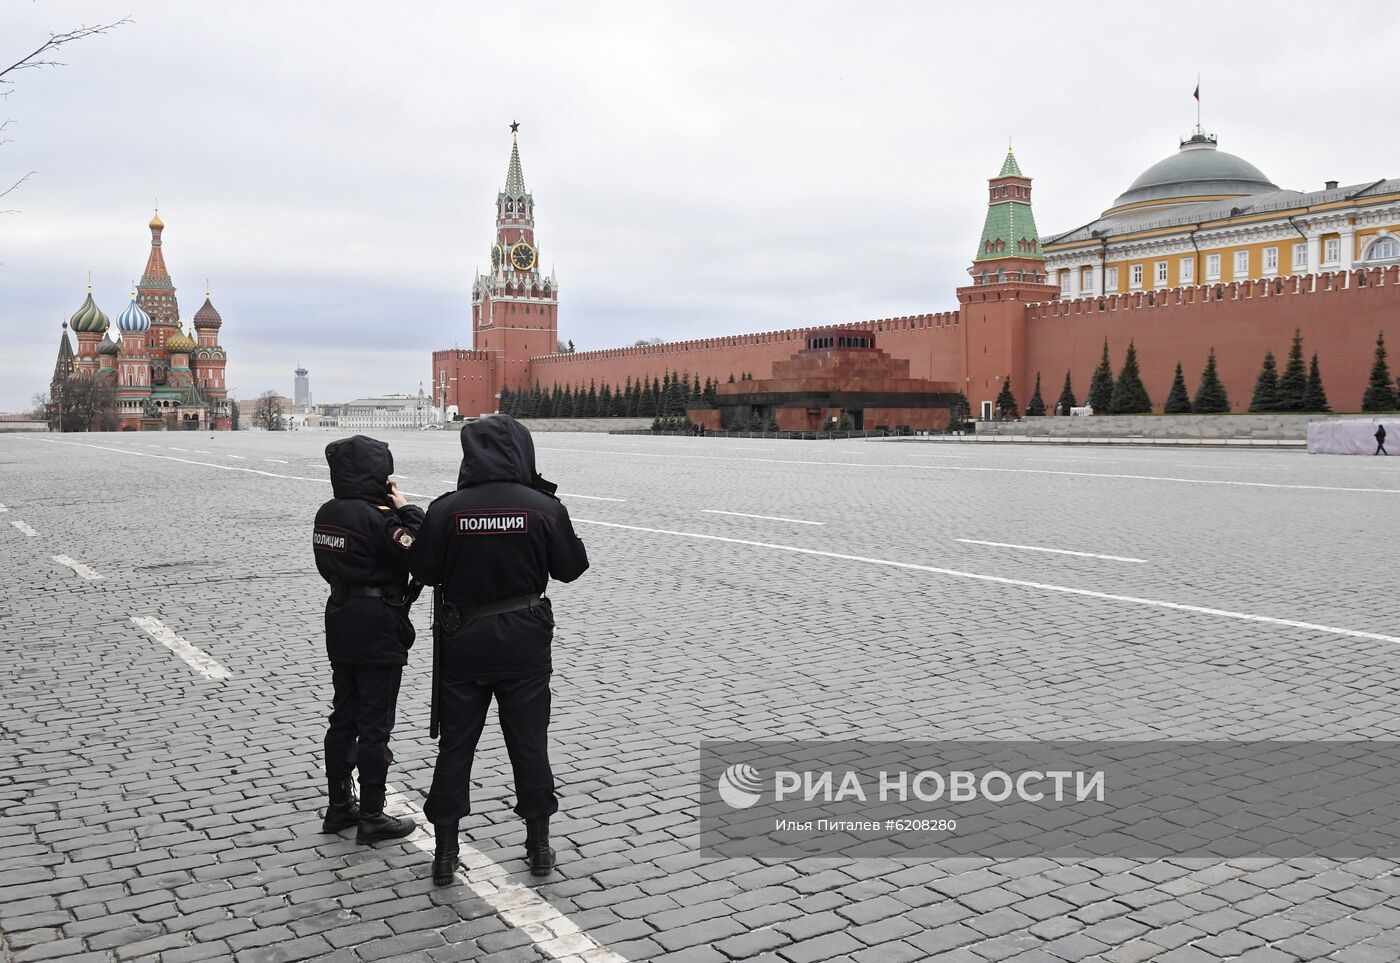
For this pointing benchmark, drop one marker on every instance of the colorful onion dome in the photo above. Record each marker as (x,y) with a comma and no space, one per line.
(207,316)
(133,318)
(89,317)
(108,346)
(179,343)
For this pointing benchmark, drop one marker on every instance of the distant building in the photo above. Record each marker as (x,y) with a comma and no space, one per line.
(389,411)
(301,392)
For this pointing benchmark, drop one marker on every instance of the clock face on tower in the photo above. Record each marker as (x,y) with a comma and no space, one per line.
(496,256)
(522,256)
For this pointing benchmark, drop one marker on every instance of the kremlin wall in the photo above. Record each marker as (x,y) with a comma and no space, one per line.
(1019,316)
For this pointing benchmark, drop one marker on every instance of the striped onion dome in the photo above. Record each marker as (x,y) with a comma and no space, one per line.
(179,343)
(89,317)
(133,318)
(108,346)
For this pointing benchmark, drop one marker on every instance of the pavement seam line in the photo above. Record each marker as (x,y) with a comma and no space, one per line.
(548,927)
(1015,582)
(193,656)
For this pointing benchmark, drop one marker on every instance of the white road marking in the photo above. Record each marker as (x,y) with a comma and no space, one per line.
(1057,551)
(3,508)
(1016,582)
(201,451)
(1007,471)
(82,570)
(195,658)
(24,528)
(552,932)
(596,498)
(769,518)
(239,457)
(173,448)
(277,461)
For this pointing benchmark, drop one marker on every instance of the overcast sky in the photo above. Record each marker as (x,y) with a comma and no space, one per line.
(698,168)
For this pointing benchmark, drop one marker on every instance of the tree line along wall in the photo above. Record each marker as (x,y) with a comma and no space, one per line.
(1338,315)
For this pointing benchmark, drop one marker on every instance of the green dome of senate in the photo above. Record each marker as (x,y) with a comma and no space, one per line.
(89,317)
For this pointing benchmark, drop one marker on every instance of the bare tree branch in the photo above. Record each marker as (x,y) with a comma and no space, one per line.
(34,58)
(17,183)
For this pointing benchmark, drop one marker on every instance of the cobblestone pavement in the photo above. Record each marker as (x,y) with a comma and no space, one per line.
(151,811)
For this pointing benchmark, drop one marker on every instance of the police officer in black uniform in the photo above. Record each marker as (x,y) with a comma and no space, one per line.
(362,540)
(492,546)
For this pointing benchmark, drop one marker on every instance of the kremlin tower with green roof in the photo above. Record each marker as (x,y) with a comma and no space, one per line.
(1010,246)
(159,376)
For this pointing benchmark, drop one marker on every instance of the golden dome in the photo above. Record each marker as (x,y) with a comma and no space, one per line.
(156,222)
(179,343)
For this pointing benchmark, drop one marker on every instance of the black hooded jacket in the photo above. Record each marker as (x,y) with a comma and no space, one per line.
(361,541)
(501,534)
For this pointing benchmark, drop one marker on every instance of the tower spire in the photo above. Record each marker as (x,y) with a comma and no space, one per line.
(515,179)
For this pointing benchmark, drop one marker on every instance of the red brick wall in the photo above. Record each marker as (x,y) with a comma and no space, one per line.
(472,391)
(1339,321)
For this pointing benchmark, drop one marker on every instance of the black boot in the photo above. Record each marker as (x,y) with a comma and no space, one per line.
(537,849)
(374,823)
(344,811)
(445,856)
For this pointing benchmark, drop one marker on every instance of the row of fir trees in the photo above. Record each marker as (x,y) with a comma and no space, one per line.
(1299,388)
(667,397)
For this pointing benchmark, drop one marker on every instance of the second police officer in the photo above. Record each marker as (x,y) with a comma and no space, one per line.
(362,540)
(492,546)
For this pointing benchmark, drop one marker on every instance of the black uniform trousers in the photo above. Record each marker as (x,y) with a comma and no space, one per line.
(523,706)
(361,720)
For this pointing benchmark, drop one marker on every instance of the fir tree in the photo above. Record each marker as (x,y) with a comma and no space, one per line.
(1314,397)
(1211,398)
(1006,401)
(656,394)
(1294,380)
(604,400)
(1130,394)
(755,422)
(646,401)
(708,392)
(1036,406)
(1101,385)
(1266,386)
(506,400)
(566,403)
(1178,401)
(1067,400)
(731,377)
(1380,392)
(695,390)
(590,406)
(663,407)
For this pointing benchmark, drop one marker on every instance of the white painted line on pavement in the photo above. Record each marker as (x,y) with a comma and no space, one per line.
(173,448)
(971,468)
(239,457)
(1016,582)
(83,571)
(552,932)
(201,451)
(195,658)
(596,498)
(186,461)
(24,528)
(278,461)
(769,518)
(3,508)
(1057,551)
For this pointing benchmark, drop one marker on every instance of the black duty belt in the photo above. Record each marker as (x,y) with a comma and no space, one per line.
(454,613)
(368,591)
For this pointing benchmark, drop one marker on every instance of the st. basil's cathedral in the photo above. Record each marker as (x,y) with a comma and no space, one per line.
(161,377)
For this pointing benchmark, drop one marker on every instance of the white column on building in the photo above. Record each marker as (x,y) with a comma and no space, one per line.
(1314,252)
(1073,283)
(1348,248)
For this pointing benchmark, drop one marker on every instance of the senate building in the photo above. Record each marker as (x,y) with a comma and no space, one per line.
(1201,255)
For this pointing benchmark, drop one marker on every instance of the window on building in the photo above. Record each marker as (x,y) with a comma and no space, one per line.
(1064,282)
(1300,256)
(1186,270)
(1241,264)
(1270,261)
(1383,249)
(1212,267)
(1087,280)
(1110,279)
(1331,250)
(1135,277)
(1161,274)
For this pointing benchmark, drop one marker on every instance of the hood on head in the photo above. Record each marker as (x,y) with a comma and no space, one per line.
(496,448)
(360,467)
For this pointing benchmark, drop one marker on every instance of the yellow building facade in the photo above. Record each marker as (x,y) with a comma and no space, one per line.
(1202,216)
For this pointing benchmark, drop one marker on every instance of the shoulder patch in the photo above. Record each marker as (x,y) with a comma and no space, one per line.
(382,508)
(493,521)
(402,537)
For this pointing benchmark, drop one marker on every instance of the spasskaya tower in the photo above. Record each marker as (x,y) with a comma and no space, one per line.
(515,307)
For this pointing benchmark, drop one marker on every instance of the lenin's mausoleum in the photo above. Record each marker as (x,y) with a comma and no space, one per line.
(1202,252)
